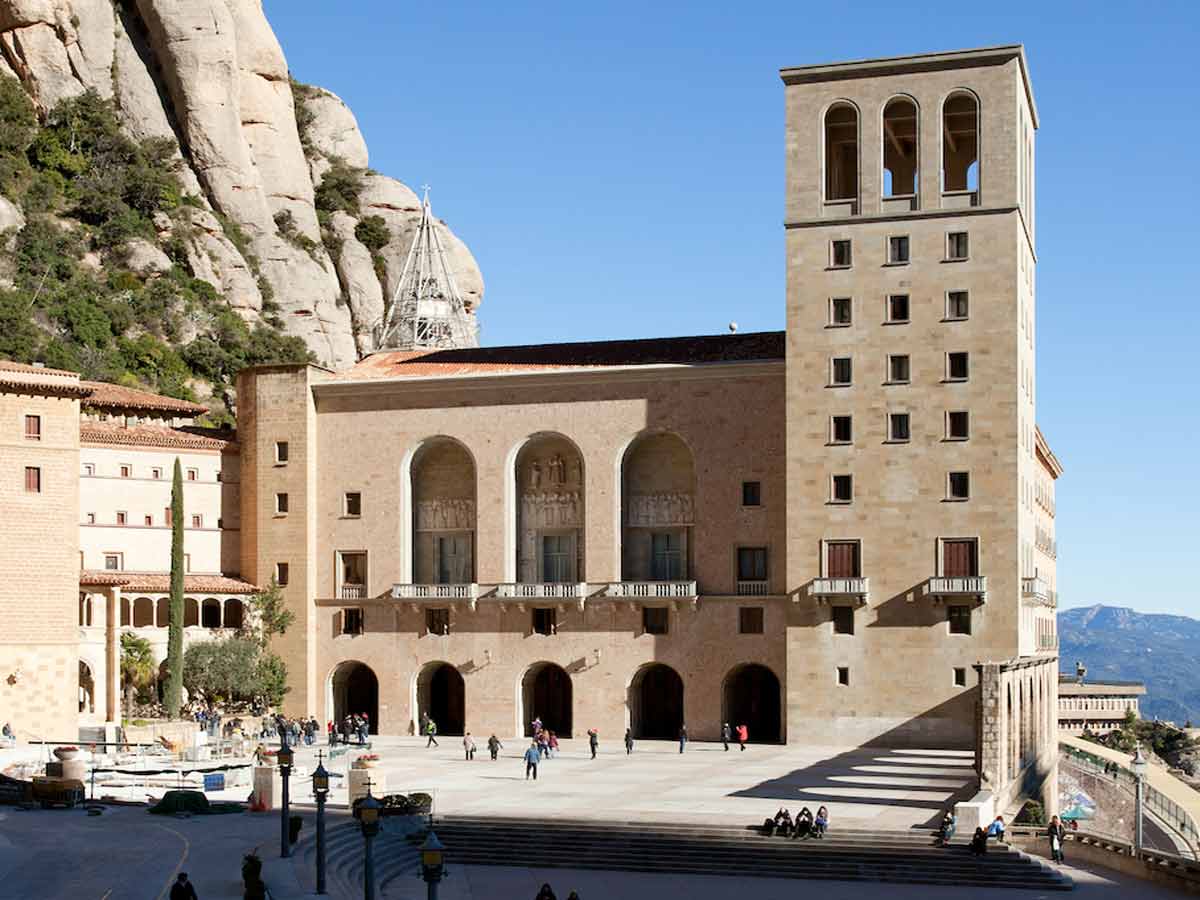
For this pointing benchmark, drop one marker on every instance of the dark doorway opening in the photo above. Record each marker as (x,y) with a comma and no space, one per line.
(656,702)
(546,693)
(752,698)
(355,691)
(441,696)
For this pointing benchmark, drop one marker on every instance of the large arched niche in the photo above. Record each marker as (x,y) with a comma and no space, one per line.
(442,480)
(656,702)
(658,490)
(354,690)
(547,693)
(549,478)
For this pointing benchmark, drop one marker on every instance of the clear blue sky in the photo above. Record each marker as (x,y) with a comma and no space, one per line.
(617,169)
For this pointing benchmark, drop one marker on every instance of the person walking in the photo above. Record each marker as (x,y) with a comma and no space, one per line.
(682,737)
(182,889)
(494,746)
(593,741)
(628,741)
(469,746)
(1057,833)
(431,732)
(725,736)
(743,735)
(532,757)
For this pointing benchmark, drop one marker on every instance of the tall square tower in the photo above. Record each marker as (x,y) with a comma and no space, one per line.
(910,389)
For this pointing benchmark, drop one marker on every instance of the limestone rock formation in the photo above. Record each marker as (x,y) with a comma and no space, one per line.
(210,76)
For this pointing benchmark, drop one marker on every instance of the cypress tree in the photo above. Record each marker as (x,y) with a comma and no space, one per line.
(174,692)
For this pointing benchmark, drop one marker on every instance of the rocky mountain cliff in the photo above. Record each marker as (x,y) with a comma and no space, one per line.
(275,207)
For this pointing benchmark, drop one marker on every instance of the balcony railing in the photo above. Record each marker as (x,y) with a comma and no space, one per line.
(1037,589)
(352,591)
(753,588)
(561,590)
(839,587)
(651,589)
(960,586)
(435,591)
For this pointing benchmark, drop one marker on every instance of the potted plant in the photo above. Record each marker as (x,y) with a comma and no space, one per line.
(366,760)
(66,753)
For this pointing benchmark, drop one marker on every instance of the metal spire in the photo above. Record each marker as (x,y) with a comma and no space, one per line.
(427,311)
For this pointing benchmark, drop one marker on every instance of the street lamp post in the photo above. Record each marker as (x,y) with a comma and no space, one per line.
(320,781)
(285,758)
(432,863)
(368,817)
(1140,766)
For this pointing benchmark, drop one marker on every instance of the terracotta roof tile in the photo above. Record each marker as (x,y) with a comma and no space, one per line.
(116,396)
(7,365)
(148,436)
(160,582)
(104,578)
(20,378)
(754,346)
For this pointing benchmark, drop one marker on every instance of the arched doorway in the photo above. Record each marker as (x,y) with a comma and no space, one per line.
(441,696)
(87,689)
(355,690)
(752,698)
(656,702)
(546,693)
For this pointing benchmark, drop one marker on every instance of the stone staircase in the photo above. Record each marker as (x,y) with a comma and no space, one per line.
(843,855)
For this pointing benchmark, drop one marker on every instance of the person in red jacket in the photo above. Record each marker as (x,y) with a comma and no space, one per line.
(743,735)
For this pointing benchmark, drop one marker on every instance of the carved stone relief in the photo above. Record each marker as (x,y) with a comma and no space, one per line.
(445,514)
(660,509)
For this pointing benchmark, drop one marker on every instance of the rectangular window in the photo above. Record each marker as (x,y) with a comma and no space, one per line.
(281,452)
(156,473)
(958,486)
(752,563)
(168,516)
(197,521)
(558,558)
(192,474)
(959,618)
(957,366)
(956,245)
(897,308)
(958,425)
(187,562)
(843,675)
(454,559)
(840,429)
(545,621)
(960,676)
(437,621)
(91,518)
(353,504)
(960,558)
(148,521)
(842,559)
(899,370)
(751,493)
(655,619)
(841,489)
(281,573)
(666,556)
(112,562)
(843,620)
(898,427)
(839,254)
(33,428)
(956,305)
(898,250)
(840,311)
(89,469)
(352,621)
(126,471)
(354,575)
(281,504)
(33,480)
(840,370)
(750,620)
(122,518)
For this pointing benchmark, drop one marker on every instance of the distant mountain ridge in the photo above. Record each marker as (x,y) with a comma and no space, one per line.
(1120,644)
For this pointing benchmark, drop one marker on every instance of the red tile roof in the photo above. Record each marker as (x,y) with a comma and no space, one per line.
(20,378)
(7,365)
(160,582)
(683,351)
(116,396)
(148,436)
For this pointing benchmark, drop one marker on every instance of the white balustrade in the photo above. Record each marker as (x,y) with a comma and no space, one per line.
(352,591)
(753,588)
(969,585)
(435,591)
(651,589)
(542,590)
(839,587)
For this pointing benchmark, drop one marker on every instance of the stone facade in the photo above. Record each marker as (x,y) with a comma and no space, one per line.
(1096,706)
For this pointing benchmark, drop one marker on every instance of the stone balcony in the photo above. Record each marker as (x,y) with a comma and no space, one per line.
(966,586)
(564,590)
(651,590)
(826,589)
(469,592)
(352,592)
(1037,591)
(753,588)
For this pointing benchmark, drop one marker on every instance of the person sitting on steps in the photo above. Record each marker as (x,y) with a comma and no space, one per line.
(979,842)
(946,831)
(821,823)
(804,824)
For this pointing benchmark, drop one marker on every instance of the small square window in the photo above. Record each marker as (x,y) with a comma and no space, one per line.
(281,573)
(545,621)
(898,250)
(91,518)
(959,619)
(956,245)
(197,521)
(840,311)
(843,620)
(33,480)
(750,620)
(898,427)
(957,366)
(281,504)
(958,425)
(156,473)
(89,469)
(841,430)
(192,474)
(281,452)
(655,619)
(840,371)
(957,306)
(899,370)
(148,521)
(751,493)
(897,308)
(33,428)
(958,486)
(353,503)
(122,518)
(839,254)
(843,675)
(112,562)
(437,621)
(842,490)
(960,676)
(125,471)
(352,621)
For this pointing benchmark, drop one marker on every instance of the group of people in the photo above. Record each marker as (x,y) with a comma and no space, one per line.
(1056,833)
(547,893)
(805,825)
(356,725)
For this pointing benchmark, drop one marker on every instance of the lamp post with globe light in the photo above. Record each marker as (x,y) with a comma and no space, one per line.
(320,782)
(1140,767)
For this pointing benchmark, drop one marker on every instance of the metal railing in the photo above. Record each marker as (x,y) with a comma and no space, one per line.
(651,589)
(435,591)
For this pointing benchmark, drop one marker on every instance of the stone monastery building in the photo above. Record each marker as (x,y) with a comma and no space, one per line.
(842,532)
